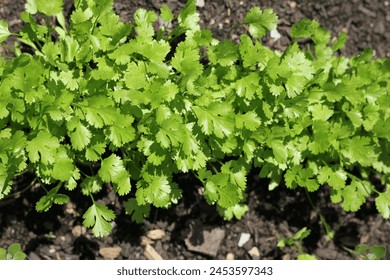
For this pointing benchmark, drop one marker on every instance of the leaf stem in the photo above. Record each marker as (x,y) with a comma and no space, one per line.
(18,193)
(325,224)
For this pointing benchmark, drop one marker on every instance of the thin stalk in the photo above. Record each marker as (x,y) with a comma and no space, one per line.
(18,193)
(325,224)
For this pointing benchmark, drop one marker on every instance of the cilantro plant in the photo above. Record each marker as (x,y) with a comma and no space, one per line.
(13,252)
(365,252)
(295,242)
(94,103)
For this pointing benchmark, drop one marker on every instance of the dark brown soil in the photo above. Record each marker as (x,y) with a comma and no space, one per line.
(272,215)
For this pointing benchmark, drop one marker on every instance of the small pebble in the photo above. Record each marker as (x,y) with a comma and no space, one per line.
(275,34)
(77,231)
(155,234)
(230,256)
(110,253)
(70,208)
(254,253)
(293,4)
(146,241)
(200,3)
(244,237)
(151,254)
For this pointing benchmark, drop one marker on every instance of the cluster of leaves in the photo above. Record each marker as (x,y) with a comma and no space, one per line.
(366,252)
(98,103)
(361,251)
(13,252)
(295,242)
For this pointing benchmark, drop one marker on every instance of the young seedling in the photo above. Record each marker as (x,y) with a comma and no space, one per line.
(295,242)
(14,252)
(366,252)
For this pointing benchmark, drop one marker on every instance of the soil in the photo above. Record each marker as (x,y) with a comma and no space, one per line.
(272,215)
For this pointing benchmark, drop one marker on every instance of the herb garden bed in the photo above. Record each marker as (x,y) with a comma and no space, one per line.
(272,215)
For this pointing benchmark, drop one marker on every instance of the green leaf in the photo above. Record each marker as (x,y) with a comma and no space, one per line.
(144,20)
(162,92)
(359,149)
(49,8)
(113,29)
(356,117)
(171,132)
(14,252)
(225,53)
(303,177)
(248,86)
(236,172)
(31,6)
(122,131)
(249,120)
(158,192)
(138,212)
(295,69)
(304,28)
(254,53)
(3,110)
(237,211)
(19,256)
(320,112)
(280,151)
(122,184)
(79,134)
(3,254)
(382,202)
(63,168)
(302,233)
(101,7)
(260,21)
(166,13)
(186,60)
(104,70)
(112,170)
(340,42)
(307,28)
(91,185)
(218,188)
(306,257)
(135,76)
(45,203)
(335,178)
(14,248)
(43,147)
(377,252)
(99,111)
(79,16)
(60,108)
(216,119)
(354,195)
(188,17)
(4,32)
(94,151)
(98,217)
(69,48)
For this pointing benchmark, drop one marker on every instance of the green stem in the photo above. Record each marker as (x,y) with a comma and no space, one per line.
(43,187)
(18,193)
(325,224)
(48,26)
